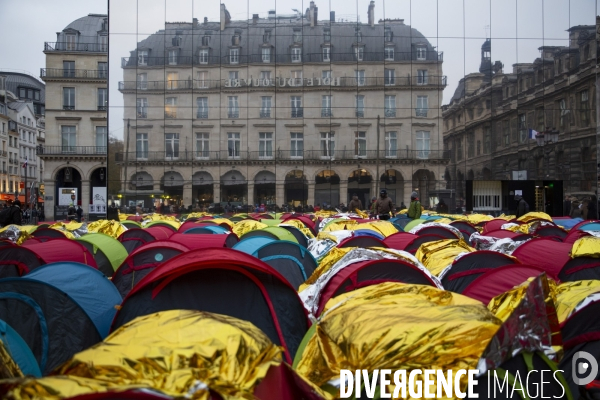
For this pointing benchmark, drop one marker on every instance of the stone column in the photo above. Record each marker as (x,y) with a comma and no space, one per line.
(343,193)
(187,194)
(311,194)
(279,194)
(217,192)
(84,197)
(250,193)
(408,189)
(50,199)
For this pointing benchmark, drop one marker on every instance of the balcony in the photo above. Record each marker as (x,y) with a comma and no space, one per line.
(70,150)
(170,114)
(202,115)
(73,73)
(233,114)
(142,114)
(360,113)
(102,108)
(421,112)
(326,113)
(297,112)
(69,108)
(265,113)
(91,47)
(390,113)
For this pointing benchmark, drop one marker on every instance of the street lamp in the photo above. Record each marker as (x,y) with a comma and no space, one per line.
(102,174)
(73,194)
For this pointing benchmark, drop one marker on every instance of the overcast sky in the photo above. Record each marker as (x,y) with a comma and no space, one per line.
(456,27)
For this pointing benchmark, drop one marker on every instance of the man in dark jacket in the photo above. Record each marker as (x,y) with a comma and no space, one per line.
(79,213)
(355,203)
(593,208)
(384,205)
(522,206)
(16,216)
(567,206)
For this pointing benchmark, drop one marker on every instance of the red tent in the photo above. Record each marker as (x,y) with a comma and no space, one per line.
(160,232)
(493,225)
(62,250)
(547,254)
(399,240)
(362,241)
(502,234)
(500,280)
(305,220)
(574,235)
(222,281)
(200,241)
(191,224)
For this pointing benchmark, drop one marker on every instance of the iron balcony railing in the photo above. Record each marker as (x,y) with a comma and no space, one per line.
(360,113)
(390,112)
(70,108)
(71,46)
(233,114)
(102,108)
(73,150)
(297,112)
(188,58)
(326,113)
(269,84)
(421,112)
(73,73)
(306,155)
(202,115)
(265,113)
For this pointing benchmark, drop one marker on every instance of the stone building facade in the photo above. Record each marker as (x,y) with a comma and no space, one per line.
(500,128)
(76,142)
(281,110)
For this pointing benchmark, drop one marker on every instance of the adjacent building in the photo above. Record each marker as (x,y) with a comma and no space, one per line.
(282,109)
(530,130)
(76,141)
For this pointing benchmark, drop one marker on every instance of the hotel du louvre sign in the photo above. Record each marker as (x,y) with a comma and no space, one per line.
(282,82)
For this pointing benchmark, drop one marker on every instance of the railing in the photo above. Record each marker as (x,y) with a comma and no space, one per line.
(326,113)
(421,112)
(390,113)
(359,113)
(202,115)
(73,73)
(297,112)
(3,153)
(187,58)
(265,114)
(233,114)
(70,46)
(306,155)
(102,108)
(170,114)
(74,150)
(68,108)
(349,82)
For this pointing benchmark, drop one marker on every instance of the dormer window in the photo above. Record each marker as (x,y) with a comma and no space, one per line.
(267,36)
(237,38)
(359,52)
(176,41)
(421,53)
(102,43)
(206,39)
(234,56)
(297,36)
(327,35)
(173,56)
(296,54)
(389,53)
(266,54)
(358,35)
(71,41)
(389,35)
(203,56)
(142,57)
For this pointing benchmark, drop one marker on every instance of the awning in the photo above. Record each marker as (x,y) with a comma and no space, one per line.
(11,197)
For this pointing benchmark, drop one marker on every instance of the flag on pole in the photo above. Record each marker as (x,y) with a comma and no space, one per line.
(25,164)
(532,133)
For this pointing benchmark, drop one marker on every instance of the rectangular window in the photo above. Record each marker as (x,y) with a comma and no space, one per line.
(233,107)
(68,69)
(390,106)
(360,106)
(564,113)
(389,53)
(297,36)
(265,76)
(470,144)
(141,146)
(506,132)
(389,77)
(142,81)
(142,57)
(172,145)
(69,140)
(202,145)
(22,93)
(71,42)
(202,104)
(202,81)
(173,56)
(296,54)
(326,75)
(584,108)
(459,150)
(68,98)
(233,145)
(234,56)
(523,134)
(203,56)
(102,99)
(297,77)
(266,54)
(360,144)
(142,108)
(297,144)
(422,77)
(422,106)
(360,77)
(327,54)
(327,35)
(265,145)
(101,139)
(326,106)
(487,140)
(265,107)
(423,144)
(359,53)
(297,110)
(171,107)
(172,80)
(102,70)
(327,144)
(233,75)
(421,53)
(103,43)
(541,126)
(388,34)
(391,144)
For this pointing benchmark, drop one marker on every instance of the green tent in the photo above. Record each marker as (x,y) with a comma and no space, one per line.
(271,222)
(130,224)
(109,253)
(413,223)
(274,232)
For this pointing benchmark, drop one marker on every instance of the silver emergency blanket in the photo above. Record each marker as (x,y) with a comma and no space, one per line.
(454,229)
(312,294)
(594,233)
(526,329)
(500,245)
(320,248)
(12,233)
(593,298)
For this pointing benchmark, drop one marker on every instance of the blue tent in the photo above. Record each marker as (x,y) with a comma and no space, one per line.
(567,223)
(94,293)
(592,226)
(252,243)
(19,351)
(216,229)
(368,232)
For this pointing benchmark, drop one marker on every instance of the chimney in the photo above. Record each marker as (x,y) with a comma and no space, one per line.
(371,14)
(225,17)
(332,16)
(195,22)
(254,19)
(205,20)
(313,14)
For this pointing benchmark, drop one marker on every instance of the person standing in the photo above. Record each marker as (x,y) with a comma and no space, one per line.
(442,207)
(592,208)
(384,205)
(355,203)
(12,215)
(414,209)
(79,213)
(522,206)
(567,206)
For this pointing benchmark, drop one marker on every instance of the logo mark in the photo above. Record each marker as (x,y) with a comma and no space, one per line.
(583,372)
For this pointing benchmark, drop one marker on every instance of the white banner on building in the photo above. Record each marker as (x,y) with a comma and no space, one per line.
(98,205)
(64,196)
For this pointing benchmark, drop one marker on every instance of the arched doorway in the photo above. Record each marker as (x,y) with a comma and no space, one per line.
(98,199)
(202,189)
(171,185)
(423,183)
(264,188)
(470,175)
(295,188)
(393,182)
(327,188)
(460,185)
(234,188)
(486,173)
(359,182)
(68,186)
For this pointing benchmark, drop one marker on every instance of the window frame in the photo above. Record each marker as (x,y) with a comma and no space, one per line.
(203,151)
(421,53)
(234,145)
(425,144)
(67,105)
(202,107)
(296,54)
(391,144)
(141,109)
(327,145)
(100,97)
(173,56)
(360,144)
(234,55)
(171,107)
(203,56)
(265,145)
(233,107)
(143,57)
(296,151)
(389,53)
(422,111)
(68,147)
(265,54)
(389,111)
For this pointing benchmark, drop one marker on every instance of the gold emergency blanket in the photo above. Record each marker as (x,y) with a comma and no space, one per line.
(108,227)
(534,215)
(301,227)
(588,246)
(179,353)
(438,255)
(325,213)
(397,326)
(243,227)
(341,224)
(384,227)
(570,294)
(8,367)
(334,255)
(220,221)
